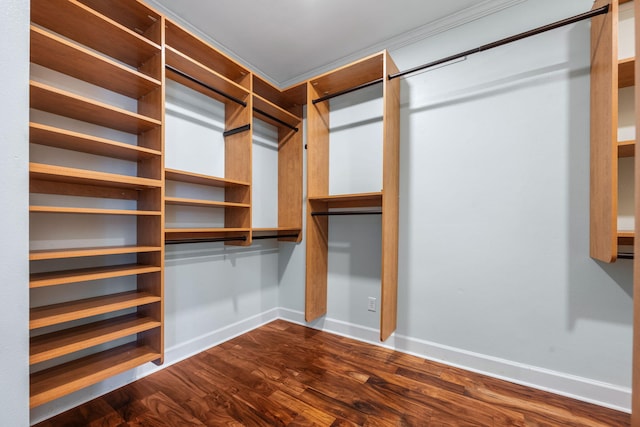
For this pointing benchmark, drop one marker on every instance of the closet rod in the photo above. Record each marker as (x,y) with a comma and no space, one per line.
(236,130)
(600,11)
(206,240)
(282,122)
(204,85)
(625,255)
(274,236)
(331,213)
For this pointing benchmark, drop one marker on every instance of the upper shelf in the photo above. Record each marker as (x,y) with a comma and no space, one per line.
(273,114)
(359,200)
(76,21)
(57,101)
(357,73)
(133,14)
(196,178)
(627,148)
(39,255)
(59,54)
(291,99)
(626,72)
(43,172)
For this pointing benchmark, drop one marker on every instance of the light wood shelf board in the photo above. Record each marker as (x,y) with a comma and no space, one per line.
(291,99)
(204,233)
(203,203)
(56,53)
(627,148)
(57,101)
(55,314)
(79,22)
(56,344)
(196,178)
(193,68)
(54,278)
(360,72)
(274,110)
(69,140)
(359,200)
(61,380)
(91,211)
(53,173)
(626,72)
(134,15)
(39,255)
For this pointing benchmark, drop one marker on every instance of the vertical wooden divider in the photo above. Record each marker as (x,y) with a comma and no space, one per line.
(635,365)
(289,182)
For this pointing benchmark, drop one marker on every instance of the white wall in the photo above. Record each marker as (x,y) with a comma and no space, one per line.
(14,182)
(494,270)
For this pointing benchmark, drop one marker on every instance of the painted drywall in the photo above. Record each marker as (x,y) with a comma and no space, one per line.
(494,216)
(14,182)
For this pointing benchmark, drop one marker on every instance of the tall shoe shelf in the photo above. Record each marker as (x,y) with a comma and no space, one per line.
(367,70)
(283,109)
(612,132)
(79,342)
(193,63)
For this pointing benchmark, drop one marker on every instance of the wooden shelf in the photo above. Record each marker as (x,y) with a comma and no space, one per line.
(203,203)
(38,171)
(78,22)
(286,232)
(58,381)
(54,278)
(625,238)
(39,255)
(627,148)
(61,138)
(204,233)
(50,99)
(360,200)
(91,211)
(291,99)
(272,109)
(134,15)
(56,314)
(357,73)
(196,178)
(199,51)
(204,74)
(626,72)
(56,344)
(56,53)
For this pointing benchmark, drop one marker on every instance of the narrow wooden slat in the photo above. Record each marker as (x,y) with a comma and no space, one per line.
(627,148)
(39,171)
(204,233)
(635,360)
(66,57)
(92,211)
(38,280)
(69,377)
(203,203)
(56,344)
(604,119)
(196,178)
(359,200)
(38,255)
(65,312)
(135,15)
(626,72)
(78,22)
(69,140)
(57,101)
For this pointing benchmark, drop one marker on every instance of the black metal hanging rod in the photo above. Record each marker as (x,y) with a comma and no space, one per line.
(207,240)
(282,122)
(625,255)
(600,11)
(204,85)
(274,236)
(344,92)
(236,130)
(331,213)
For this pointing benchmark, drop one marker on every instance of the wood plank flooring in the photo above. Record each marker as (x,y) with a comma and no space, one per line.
(284,374)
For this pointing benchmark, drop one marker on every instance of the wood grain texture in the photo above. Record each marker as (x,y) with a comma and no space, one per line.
(283,374)
(604,122)
(635,376)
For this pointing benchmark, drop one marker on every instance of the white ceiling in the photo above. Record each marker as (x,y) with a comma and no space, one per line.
(287,41)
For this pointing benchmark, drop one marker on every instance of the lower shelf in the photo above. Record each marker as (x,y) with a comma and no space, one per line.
(240,236)
(61,380)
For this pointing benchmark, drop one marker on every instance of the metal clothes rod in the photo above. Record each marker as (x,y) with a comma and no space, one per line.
(236,130)
(274,236)
(282,122)
(625,255)
(331,213)
(343,92)
(204,85)
(600,11)
(207,240)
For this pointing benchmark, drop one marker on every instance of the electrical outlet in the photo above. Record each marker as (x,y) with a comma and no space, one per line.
(371,304)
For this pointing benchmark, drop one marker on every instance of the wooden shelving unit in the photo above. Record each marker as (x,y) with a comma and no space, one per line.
(116,47)
(609,74)
(367,70)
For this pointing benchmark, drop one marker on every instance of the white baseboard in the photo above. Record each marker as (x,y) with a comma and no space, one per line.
(584,389)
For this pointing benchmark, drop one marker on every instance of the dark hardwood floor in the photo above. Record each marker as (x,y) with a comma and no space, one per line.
(284,374)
